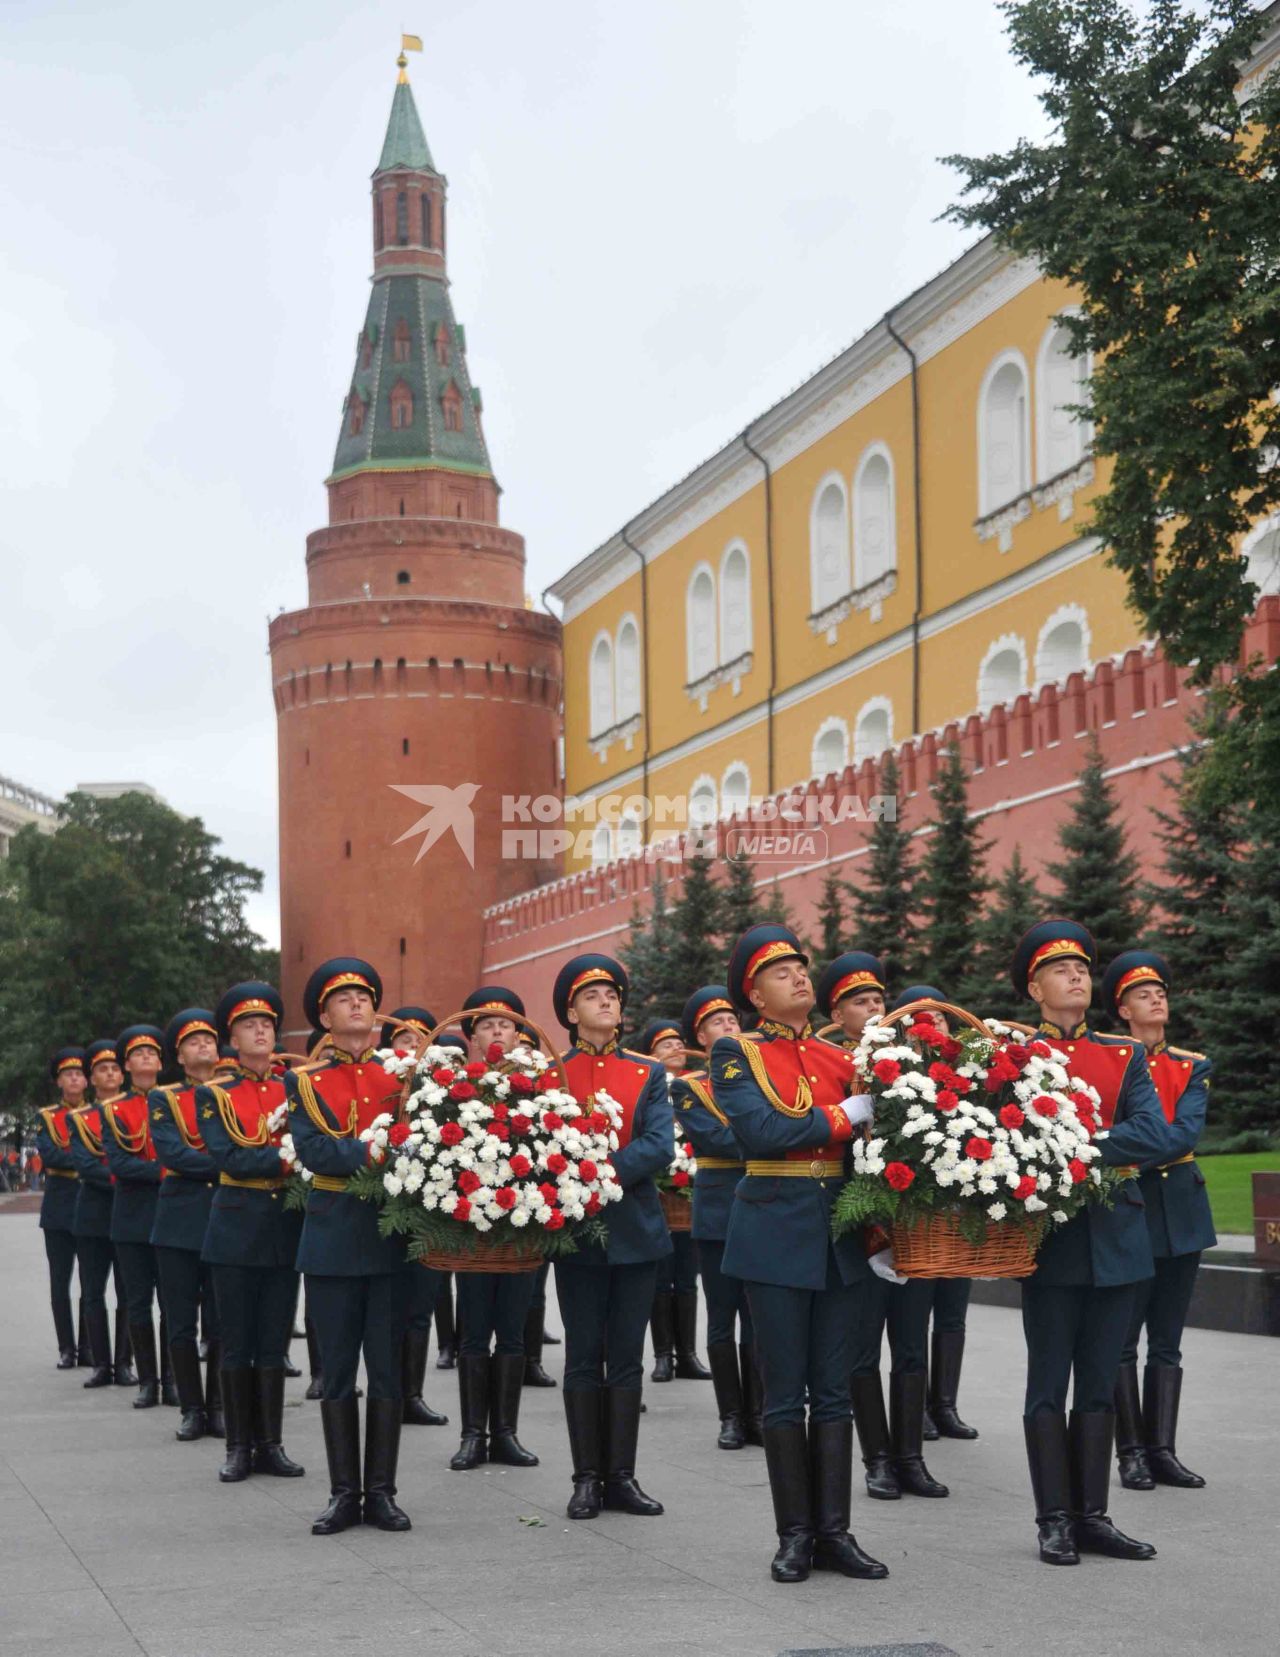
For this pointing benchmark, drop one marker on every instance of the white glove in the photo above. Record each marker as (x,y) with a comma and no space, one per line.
(859,1108)
(882,1265)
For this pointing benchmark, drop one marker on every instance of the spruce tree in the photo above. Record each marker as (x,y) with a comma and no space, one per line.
(1097,876)
(951,885)
(883,901)
(739,904)
(1015,905)
(833,922)
(696,955)
(647,956)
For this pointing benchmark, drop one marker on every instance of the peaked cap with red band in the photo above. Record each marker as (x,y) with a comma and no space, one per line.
(582,970)
(848,974)
(1133,966)
(343,972)
(1051,940)
(243,1000)
(760,946)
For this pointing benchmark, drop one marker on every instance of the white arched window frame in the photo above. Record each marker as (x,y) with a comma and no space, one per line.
(1004,433)
(875,539)
(1260,551)
(735,602)
(1062,438)
(1002,674)
(702,801)
(627,693)
(873,729)
(601,845)
(1063,644)
(602,684)
(830,564)
(629,834)
(735,790)
(700,623)
(830,752)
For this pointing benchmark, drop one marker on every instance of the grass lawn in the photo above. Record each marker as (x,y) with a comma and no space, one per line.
(1230,1183)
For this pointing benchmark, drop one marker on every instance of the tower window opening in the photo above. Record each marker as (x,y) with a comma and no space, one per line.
(402,342)
(402,219)
(402,509)
(404,744)
(442,345)
(378,235)
(402,946)
(306,756)
(347,852)
(426,220)
(402,578)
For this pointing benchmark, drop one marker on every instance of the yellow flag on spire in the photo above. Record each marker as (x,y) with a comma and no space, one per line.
(410,43)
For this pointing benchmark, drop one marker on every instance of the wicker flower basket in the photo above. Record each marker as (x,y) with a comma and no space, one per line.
(677,1211)
(933,1247)
(496,1257)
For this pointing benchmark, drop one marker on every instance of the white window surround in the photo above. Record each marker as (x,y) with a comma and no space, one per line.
(601,845)
(874,514)
(830,560)
(629,835)
(872,729)
(702,801)
(701,647)
(1062,440)
(627,669)
(1004,455)
(1002,674)
(830,752)
(735,789)
(1260,552)
(735,602)
(1053,661)
(601,684)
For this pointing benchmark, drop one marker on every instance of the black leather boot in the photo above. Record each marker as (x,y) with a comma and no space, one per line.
(786,1454)
(340,1419)
(1162,1389)
(1090,1440)
(186,1374)
(237,1404)
(446,1326)
(64,1331)
(621,1492)
(268,1426)
(215,1425)
(66,1358)
(1131,1448)
(383,1418)
(1049,1462)
(928,1427)
(906,1436)
(290,1369)
(946,1359)
(506,1378)
(168,1386)
(752,1394)
(689,1367)
(143,1338)
(413,1370)
(582,1417)
(315,1386)
(99,1338)
(831,1486)
(723,1358)
(84,1357)
(872,1423)
(662,1327)
(122,1369)
(535,1338)
(473,1396)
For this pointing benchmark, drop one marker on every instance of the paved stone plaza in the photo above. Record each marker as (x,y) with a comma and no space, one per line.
(117,1540)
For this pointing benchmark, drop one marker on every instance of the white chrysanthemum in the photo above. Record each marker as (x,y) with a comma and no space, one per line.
(996,1211)
(1033,1205)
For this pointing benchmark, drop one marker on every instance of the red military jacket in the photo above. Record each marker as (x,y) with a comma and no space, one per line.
(615,1071)
(353,1091)
(1100,1063)
(1170,1071)
(54,1118)
(799,1073)
(129,1119)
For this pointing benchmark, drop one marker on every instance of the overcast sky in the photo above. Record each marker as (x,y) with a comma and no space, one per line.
(662,218)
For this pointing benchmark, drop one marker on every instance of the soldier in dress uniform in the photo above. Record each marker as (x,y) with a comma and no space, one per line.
(406,1030)
(787,1096)
(94,1194)
(131,1157)
(58,1204)
(251,1242)
(182,1219)
(673,1324)
(709,1014)
(1077,1304)
(606,1292)
(1135,988)
(354,1276)
(492,1306)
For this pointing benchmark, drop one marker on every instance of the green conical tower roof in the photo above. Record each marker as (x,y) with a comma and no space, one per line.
(405,144)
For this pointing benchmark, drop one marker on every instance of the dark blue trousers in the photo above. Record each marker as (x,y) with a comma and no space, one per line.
(255,1314)
(606,1313)
(1073,1329)
(804,1343)
(138,1268)
(904,1309)
(94,1256)
(421,1286)
(492,1306)
(183,1277)
(951,1303)
(538,1300)
(60,1251)
(726,1299)
(352,1315)
(678,1271)
(1162,1303)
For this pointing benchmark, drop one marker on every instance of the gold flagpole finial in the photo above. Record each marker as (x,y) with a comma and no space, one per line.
(408,43)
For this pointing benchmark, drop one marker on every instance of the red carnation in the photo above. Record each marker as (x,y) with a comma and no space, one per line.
(495,1052)
(1041,1049)
(556,1221)
(520,1083)
(947,1100)
(462,1210)
(899,1175)
(500,1111)
(443,1076)
(593,1206)
(1026,1187)
(587,1170)
(1043,1105)
(475,1069)
(1011,1116)
(886,1070)
(398,1132)
(520,1165)
(401,1052)
(499,1130)
(451,1133)
(1018,1053)
(1081,1101)
(505,1199)
(978,1149)
(468,1181)
(949,1047)
(681,1179)
(1077,1170)
(556,1164)
(548,1192)
(927,1033)
(598,1122)
(992,1081)
(521,1124)
(461,1091)
(552,1123)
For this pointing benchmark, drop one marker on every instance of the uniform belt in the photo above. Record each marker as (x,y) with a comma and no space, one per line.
(62,1173)
(251,1184)
(819,1168)
(327,1182)
(1178,1162)
(718,1162)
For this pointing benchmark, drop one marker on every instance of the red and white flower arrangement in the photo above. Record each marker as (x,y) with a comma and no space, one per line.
(984,1126)
(490,1152)
(678,1179)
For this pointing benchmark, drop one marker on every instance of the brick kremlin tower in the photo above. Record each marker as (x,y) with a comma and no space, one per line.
(416,664)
